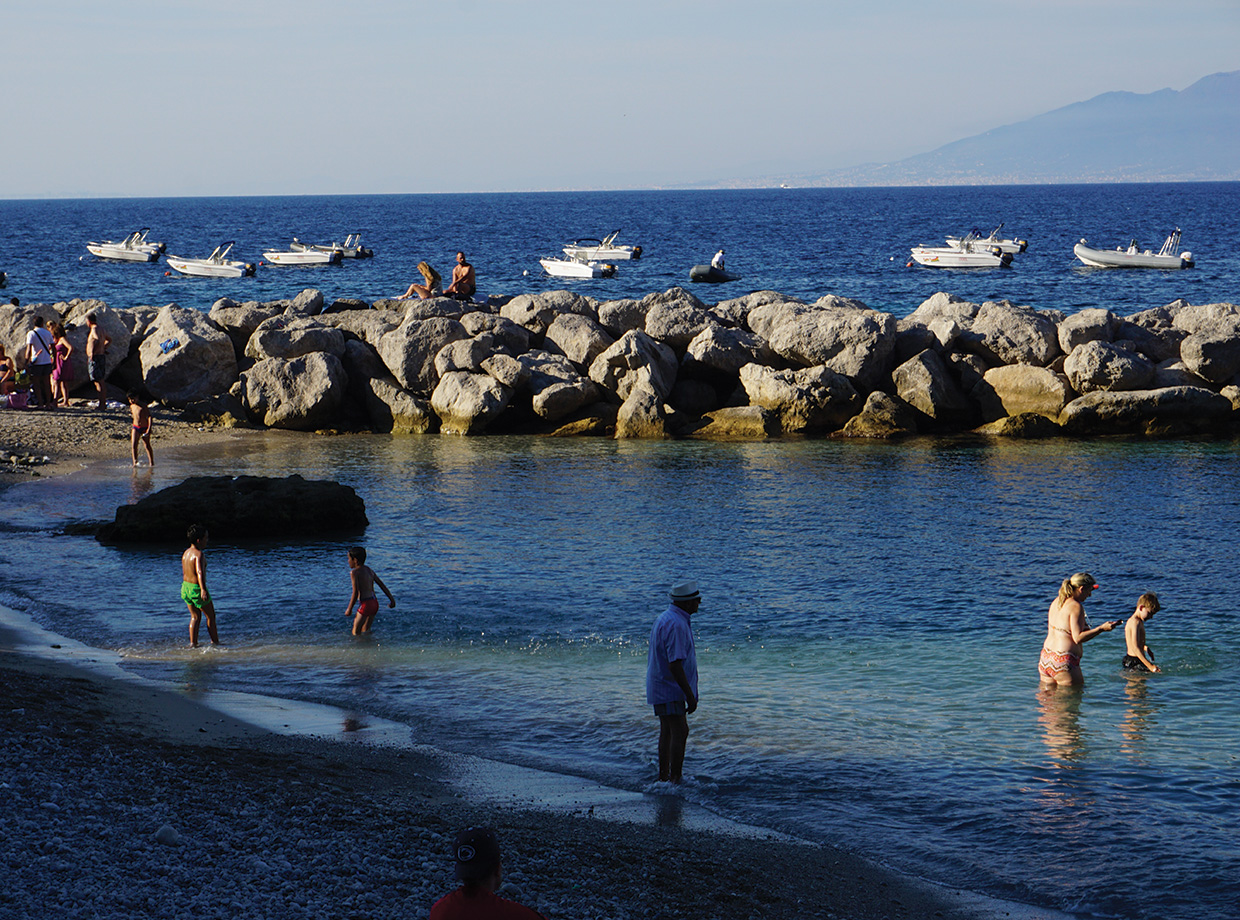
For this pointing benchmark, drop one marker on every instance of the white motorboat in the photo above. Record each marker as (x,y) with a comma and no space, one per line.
(1134,257)
(351,248)
(303,256)
(216,265)
(577,268)
(965,254)
(133,248)
(592,250)
(994,241)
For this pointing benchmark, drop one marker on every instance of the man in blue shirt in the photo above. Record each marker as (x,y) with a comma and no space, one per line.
(672,677)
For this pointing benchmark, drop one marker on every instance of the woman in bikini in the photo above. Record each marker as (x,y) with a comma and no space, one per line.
(1067,632)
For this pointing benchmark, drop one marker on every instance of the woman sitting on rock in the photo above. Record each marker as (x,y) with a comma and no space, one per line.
(8,373)
(432,288)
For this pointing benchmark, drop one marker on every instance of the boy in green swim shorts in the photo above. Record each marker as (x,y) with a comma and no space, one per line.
(194,585)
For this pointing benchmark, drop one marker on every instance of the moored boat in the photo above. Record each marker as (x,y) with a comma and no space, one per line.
(577,268)
(303,256)
(133,248)
(592,250)
(966,254)
(708,274)
(216,265)
(993,241)
(1134,257)
(351,248)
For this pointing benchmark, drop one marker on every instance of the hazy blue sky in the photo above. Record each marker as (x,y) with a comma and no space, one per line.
(137,97)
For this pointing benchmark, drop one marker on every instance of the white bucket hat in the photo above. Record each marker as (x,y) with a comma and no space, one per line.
(684,590)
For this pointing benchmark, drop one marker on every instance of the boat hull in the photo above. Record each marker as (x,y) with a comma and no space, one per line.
(602,253)
(1015,247)
(303,257)
(708,274)
(571,268)
(1120,258)
(117,252)
(952,257)
(205,268)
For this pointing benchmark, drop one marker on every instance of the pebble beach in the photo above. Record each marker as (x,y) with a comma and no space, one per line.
(122,798)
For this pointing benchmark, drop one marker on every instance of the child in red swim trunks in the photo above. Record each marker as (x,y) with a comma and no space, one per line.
(364,580)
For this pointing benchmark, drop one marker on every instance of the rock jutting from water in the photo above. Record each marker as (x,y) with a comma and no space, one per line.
(669,365)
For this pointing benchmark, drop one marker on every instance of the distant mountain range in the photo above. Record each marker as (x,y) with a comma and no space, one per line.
(1167,136)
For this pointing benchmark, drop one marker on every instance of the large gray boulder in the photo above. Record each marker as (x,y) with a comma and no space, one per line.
(614,369)
(1093,325)
(1213,353)
(944,307)
(435,306)
(240,320)
(409,350)
(735,312)
(527,311)
(883,417)
(924,383)
(555,384)
(391,409)
(1205,317)
(621,316)
(497,333)
(368,325)
(185,357)
(738,423)
(239,508)
(811,399)
(16,323)
(728,350)
(677,322)
(642,414)
(579,338)
(1099,365)
(292,336)
(299,394)
(1107,412)
(561,302)
(467,403)
(1004,333)
(858,343)
(1022,389)
(461,355)
(507,370)
(308,303)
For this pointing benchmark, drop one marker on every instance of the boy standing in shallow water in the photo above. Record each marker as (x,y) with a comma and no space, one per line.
(141,429)
(1139,657)
(194,585)
(364,580)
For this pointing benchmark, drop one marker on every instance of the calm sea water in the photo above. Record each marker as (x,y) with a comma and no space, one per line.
(872,613)
(802,242)
(871,622)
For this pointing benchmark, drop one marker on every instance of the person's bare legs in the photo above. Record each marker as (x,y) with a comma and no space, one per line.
(208,611)
(673,735)
(196,616)
(134,437)
(361,623)
(195,621)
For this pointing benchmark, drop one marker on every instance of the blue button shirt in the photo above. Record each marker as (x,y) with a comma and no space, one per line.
(671,639)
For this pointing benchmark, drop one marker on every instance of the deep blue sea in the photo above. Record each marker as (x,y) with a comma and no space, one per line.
(872,613)
(801,242)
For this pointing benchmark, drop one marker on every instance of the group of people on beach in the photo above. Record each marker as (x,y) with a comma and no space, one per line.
(463,287)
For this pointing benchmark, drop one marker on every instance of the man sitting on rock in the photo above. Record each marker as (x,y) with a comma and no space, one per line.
(464,282)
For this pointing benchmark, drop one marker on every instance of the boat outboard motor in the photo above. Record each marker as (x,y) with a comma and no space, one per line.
(637,252)
(1186,259)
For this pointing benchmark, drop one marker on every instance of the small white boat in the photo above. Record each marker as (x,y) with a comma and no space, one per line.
(351,248)
(967,253)
(994,240)
(216,265)
(303,256)
(1134,257)
(577,268)
(133,248)
(592,250)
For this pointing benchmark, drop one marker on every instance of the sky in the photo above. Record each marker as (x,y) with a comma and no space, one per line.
(137,98)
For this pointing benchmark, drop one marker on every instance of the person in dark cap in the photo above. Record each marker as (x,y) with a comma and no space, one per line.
(672,677)
(480,869)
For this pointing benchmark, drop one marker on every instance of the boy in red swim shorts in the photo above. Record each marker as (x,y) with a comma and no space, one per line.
(364,580)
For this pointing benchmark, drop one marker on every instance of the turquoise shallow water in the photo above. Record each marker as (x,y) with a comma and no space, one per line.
(867,642)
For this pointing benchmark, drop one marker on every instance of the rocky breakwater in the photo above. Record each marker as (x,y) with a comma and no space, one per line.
(669,365)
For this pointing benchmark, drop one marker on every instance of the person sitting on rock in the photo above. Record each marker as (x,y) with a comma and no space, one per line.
(8,373)
(480,870)
(464,282)
(432,288)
